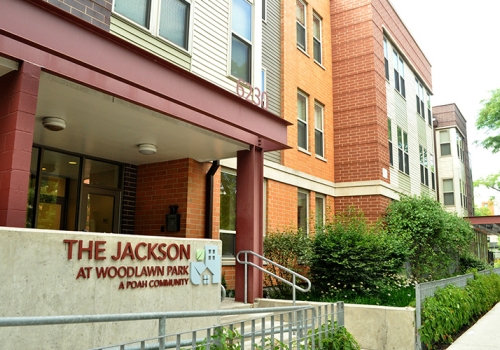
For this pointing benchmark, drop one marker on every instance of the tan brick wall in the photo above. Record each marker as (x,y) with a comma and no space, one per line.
(97,12)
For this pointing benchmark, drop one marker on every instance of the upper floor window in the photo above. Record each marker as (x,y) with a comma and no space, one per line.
(449,196)
(389,127)
(424,171)
(302,211)
(317,38)
(386,59)
(318,130)
(431,158)
(429,116)
(264,10)
(399,74)
(403,157)
(301,25)
(241,40)
(420,98)
(460,147)
(168,19)
(320,210)
(444,138)
(301,120)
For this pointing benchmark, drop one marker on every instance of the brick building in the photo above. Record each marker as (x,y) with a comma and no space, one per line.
(454,175)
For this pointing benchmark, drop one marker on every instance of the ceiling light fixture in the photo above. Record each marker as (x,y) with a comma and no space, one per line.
(54,123)
(147,148)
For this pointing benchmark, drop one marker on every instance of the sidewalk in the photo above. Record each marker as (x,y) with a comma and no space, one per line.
(483,335)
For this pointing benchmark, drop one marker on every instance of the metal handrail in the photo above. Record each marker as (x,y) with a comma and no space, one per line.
(294,274)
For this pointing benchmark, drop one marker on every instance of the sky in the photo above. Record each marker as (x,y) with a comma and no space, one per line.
(461,39)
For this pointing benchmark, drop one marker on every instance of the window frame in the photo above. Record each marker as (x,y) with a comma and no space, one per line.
(431,165)
(322,198)
(403,156)
(306,224)
(441,143)
(391,147)
(304,26)
(154,23)
(399,74)
(318,40)
(244,40)
(386,60)
(322,131)
(448,193)
(224,231)
(305,122)
(264,11)
(429,112)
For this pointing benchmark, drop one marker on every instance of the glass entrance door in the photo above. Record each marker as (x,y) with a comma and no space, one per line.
(99,210)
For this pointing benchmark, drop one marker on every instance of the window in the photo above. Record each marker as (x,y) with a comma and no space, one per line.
(420,98)
(426,169)
(168,19)
(431,156)
(320,210)
(318,130)
(263,76)
(448,192)
(302,210)
(399,74)
(317,38)
(264,3)
(302,120)
(429,115)
(241,40)
(422,176)
(228,213)
(389,127)
(461,192)
(444,138)
(460,147)
(301,25)
(386,59)
(403,158)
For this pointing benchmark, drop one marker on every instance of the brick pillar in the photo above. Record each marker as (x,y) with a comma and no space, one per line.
(18,99)
(249,219)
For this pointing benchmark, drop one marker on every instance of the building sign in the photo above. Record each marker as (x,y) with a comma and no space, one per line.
(174,268)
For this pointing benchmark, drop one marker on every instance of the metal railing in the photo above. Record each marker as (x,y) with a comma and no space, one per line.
(425,290)
(294,274)
(310,328)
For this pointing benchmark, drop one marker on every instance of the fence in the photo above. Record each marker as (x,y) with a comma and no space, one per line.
(425,290)
(295,327)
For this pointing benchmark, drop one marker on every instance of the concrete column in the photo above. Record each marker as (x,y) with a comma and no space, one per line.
(18,100)
(249,219)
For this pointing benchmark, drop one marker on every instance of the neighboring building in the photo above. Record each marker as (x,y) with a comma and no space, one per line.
(383,134)
(143,101)
(490,205)
(454,175)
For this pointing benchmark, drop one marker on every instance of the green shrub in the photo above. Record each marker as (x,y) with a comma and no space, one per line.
(452,307)
(291,249)
(353,256)
(469,262)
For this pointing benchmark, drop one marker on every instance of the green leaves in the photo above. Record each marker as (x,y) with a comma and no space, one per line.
(489,118)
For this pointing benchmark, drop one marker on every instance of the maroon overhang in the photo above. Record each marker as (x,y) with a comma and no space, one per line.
(69,47)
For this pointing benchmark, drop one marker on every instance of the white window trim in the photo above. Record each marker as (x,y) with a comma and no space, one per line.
(230,44)
(400,68)
(303,26)
(315,15)
(391,149)
(386,58)
(316,103)
(443,143)
(154,19)
(307,208)
(323,199)
(403,132)
(452,191)
(306,122)
(264,10)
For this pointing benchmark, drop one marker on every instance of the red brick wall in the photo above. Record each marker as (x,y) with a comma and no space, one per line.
(281,205)
(372,206)
(179,182)
(18,101)
(97,12)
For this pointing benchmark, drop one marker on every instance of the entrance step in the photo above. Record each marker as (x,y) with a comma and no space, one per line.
(230,304)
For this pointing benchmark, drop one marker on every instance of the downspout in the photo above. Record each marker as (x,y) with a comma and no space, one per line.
(209,198)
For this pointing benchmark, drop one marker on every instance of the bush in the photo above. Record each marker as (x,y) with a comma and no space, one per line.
(432,237)
(354,256)
(452,307)
(469,262)
(291,249)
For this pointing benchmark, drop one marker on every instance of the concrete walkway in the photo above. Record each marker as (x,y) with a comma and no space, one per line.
(483,335)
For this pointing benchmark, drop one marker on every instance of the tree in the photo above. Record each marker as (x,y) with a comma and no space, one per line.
(433,237)
(491,181)
(489,118)
(481,211)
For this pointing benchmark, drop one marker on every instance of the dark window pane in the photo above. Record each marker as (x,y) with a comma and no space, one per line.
(400,159)
(445,149)
(302,135)
(396,80)
(101,174)
(302,211)
(403,91)
(30,210)
(390,154)
(228,244)
(174,21)
(240,59)
(422,177)
(407,164)
(386,68)
(137,10)
(317,51)
(426,177)
(448,199)
(433,181)
(301,36)
(319,142)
